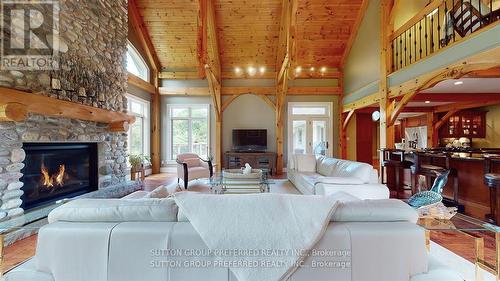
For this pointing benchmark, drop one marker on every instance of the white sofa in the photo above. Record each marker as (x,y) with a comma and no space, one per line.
(108,240)
(317,174)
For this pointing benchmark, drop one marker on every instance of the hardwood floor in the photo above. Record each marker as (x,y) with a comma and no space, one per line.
(457,243)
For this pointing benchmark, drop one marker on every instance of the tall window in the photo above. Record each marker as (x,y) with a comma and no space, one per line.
(138,134)
(188,129)
(136,64)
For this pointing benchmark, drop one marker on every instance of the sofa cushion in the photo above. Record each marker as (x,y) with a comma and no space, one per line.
(305,162)
(116,210)
(192,162)
(325,165)
(345,168)
(374,211)
(361,191)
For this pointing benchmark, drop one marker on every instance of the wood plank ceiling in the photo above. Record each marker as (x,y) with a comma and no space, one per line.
(248,32)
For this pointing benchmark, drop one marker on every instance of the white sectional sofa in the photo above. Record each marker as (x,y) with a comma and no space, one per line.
(317,174)
(111,240)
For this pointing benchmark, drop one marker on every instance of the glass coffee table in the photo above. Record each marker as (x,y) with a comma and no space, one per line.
(219,184)
(479,231)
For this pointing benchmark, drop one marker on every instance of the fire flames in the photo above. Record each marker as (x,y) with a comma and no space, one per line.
(56,179)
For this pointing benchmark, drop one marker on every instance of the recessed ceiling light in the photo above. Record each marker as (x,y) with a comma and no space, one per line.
(427,101)
(298,69)
(458,83)
(237,70)
(262,69)
(312,68)
(323,69)
(251,70)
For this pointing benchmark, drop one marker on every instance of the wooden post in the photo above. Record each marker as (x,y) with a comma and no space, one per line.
(155,129)
(386,132)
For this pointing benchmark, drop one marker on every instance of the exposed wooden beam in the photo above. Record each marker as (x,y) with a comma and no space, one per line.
(156,127)
(354,31)
(228,101)
(184,91)
(212,66)
(348,118)
(191,75)
(399,107)
(143,35)
(248,90)
(286,47)
(264,90)
(314,91)
(485,73)
(11,99)
(449,73)
(179,75)
(202,37)
(121,126)
(466,105)
(444,119)
(363,102)
(141,84)
(386,129)
(454,97)
(13,112)
(268,101)
(418,109)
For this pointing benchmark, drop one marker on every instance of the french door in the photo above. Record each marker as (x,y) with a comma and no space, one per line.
(309,128)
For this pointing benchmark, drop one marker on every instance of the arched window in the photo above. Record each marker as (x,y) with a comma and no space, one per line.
(136,64)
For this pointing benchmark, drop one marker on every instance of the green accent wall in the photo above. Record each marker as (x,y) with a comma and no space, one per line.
(363,64)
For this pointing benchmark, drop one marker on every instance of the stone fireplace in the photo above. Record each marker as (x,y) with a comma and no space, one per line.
(92,46)
(54,171)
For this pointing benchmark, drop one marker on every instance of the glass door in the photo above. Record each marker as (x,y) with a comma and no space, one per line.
(319,140)
(299,138)
(310,128)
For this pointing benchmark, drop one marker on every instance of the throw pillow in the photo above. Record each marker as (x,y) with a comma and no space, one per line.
(159,192)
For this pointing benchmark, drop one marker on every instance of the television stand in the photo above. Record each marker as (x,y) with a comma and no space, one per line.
(258,160)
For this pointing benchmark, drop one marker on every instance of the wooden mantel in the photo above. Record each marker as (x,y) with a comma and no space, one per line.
(15,106)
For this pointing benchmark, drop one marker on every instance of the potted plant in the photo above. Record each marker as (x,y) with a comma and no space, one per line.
(137,164)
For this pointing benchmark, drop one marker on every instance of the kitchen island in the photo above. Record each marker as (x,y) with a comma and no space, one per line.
(467,165)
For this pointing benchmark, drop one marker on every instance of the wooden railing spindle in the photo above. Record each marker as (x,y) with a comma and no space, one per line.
(420,37)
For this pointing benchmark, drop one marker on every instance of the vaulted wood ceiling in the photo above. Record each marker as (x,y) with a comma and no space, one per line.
(248,32)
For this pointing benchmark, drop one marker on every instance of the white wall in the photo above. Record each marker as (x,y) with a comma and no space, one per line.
(248,112)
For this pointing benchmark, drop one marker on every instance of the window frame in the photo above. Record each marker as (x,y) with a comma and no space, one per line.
(137,58)
(146,136)
(170,136)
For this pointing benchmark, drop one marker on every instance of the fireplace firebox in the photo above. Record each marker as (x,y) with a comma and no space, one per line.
(55,171)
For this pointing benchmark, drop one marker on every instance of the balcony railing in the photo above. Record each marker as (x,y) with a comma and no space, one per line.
(439,24)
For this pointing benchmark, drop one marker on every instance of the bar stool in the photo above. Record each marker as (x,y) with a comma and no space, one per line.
(398,167)
(492,180)
(430,172)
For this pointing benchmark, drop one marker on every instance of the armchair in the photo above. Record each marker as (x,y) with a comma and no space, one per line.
(190,167)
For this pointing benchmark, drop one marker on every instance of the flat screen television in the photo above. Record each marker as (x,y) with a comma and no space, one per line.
(249,140)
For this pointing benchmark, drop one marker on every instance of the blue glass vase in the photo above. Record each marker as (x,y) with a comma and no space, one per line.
(432,196)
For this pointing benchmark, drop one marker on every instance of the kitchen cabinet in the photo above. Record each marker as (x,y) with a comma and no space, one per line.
(469,124)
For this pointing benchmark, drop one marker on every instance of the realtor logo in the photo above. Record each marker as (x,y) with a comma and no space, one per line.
(30,34)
